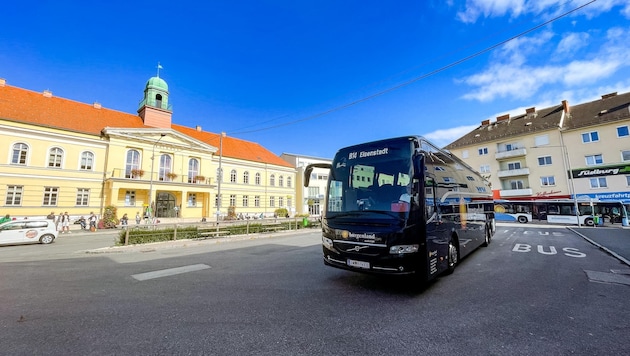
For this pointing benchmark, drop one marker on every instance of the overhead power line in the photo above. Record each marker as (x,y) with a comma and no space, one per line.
(418,78)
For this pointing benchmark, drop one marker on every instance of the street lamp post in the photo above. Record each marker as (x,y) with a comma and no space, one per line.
(220,175)
(151,179)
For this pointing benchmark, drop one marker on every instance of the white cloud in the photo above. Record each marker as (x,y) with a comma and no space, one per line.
(514,81)
(443,137)
(511,76)
(490,8)
(475,9)
(572,42)
(582,72)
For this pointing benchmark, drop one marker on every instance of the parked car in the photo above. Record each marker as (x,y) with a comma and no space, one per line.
(27,231)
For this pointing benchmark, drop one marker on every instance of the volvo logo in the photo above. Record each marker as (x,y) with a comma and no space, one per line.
(356,248)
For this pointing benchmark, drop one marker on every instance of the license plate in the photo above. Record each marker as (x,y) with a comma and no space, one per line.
(358,264)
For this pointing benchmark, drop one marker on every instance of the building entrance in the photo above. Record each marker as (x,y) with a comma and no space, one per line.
(165,206)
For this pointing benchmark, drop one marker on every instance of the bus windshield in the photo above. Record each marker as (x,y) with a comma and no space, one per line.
(372,178)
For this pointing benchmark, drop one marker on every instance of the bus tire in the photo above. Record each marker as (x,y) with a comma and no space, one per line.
(522,219)
(453,257)
(487,238)
(589,222)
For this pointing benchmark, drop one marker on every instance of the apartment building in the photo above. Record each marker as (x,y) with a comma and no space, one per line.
(563,151)
(61,155)
(309,200)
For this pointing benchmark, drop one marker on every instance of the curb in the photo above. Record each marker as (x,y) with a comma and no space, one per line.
(149,247)
(601,247)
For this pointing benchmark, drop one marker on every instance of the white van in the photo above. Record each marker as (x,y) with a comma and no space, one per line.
(27,231)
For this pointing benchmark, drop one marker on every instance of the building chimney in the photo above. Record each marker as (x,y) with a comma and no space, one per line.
(503,117)
(530,110)
(198,128)
(565,107)
(485,122)
(3,82)
(97,105)
(47,93)
(609,95)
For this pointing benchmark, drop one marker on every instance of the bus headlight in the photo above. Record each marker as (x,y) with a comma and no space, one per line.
(328,243)
(402,249)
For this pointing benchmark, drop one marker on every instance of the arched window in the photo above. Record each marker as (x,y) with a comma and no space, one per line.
(158,101)
(257,179)
(87,161)
(272,180)
(245,177)
(132,165)
(55,157)
(20,152)
(280,182)
(289,182)
(233,176)
(193,170)
(165,167)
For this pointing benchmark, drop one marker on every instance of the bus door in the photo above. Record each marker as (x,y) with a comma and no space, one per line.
(436,231)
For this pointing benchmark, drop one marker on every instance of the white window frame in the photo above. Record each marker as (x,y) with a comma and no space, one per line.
(544,161)
(548,181)
(511,166)
(588,137)
(594,159)
(596,183)
(541,140)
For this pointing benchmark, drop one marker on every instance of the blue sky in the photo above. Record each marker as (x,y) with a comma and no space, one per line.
(309,77)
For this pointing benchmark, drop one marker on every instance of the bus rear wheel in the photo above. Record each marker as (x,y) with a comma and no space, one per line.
(487,238)
(522,219)
(589,222)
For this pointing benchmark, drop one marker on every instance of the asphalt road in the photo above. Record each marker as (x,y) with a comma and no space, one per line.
(532,291)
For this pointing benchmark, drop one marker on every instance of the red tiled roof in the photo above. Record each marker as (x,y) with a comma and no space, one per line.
(234,147)
(21,105)
(34,108)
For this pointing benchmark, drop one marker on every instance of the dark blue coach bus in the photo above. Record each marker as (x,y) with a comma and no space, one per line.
(402,206)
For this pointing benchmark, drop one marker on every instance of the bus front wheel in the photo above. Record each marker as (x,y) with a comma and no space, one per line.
(452,258)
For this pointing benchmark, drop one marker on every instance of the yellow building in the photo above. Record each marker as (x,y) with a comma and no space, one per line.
(563,151)
(62,155)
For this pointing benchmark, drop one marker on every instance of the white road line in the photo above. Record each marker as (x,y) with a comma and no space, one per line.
(169,272)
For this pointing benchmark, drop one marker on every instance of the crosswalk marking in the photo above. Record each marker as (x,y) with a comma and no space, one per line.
(169,272)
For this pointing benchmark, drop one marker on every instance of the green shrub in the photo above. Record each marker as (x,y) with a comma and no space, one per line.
(148,235)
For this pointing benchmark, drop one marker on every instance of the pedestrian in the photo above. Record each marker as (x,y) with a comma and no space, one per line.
(138,218)
(124,221)
(92,221)
(82,223)
(65,223)
(58,224)
(51,216)
(5,219)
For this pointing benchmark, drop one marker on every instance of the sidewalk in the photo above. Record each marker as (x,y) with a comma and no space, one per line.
(615,240)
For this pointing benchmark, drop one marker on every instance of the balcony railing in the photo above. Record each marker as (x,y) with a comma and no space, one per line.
(505,193)
(513,172)
(519,152)
(144,176)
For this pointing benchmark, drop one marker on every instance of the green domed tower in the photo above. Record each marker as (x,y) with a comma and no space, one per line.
(154,108)
(156,94)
